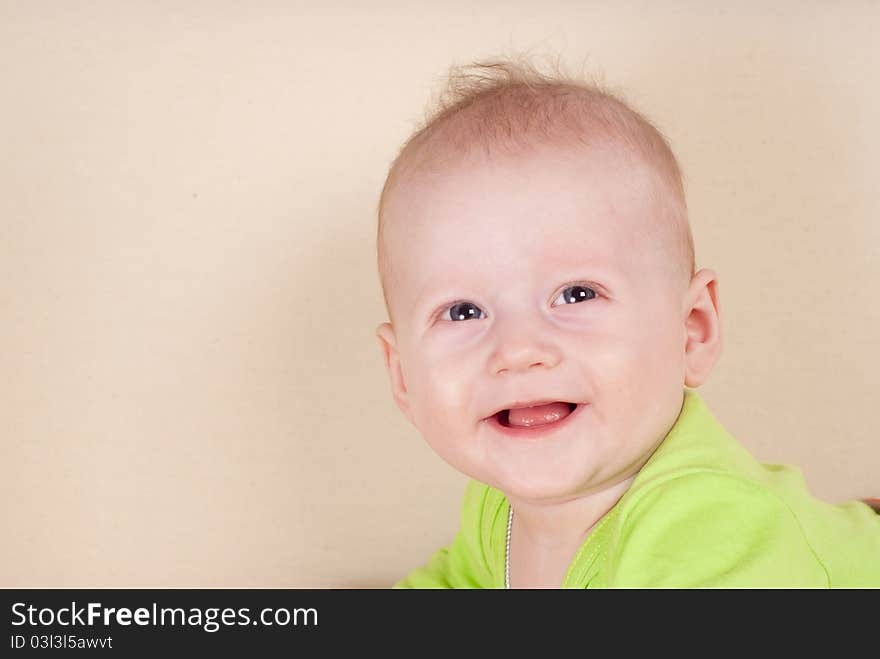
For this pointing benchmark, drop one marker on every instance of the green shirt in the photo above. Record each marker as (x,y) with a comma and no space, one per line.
(702,512)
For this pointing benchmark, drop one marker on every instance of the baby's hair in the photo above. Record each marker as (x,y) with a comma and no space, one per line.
(509,105)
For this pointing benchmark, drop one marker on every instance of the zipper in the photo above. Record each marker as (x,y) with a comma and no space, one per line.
(507,547)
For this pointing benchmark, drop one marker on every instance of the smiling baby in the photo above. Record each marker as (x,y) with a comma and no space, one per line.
(547,332)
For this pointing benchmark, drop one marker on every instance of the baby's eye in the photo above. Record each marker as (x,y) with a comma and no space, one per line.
(576,294)
(461,311)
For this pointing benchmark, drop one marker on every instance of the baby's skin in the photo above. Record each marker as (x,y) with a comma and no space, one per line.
(523,279)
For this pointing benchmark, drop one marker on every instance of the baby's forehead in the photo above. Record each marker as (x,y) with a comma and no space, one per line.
(607,202)
(551,186)
(540,209)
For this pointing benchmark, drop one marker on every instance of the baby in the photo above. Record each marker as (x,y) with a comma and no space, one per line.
(547,332)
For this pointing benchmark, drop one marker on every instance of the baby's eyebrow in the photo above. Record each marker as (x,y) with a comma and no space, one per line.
(427,296)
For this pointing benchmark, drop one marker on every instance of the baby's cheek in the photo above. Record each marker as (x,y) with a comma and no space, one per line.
(446,421)
(442,394)
(662,354)
(653,376)
(428,393)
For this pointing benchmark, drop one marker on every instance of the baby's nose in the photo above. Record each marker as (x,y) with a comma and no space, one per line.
(519,350)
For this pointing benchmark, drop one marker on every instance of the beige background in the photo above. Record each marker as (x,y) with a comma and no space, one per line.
(191,391)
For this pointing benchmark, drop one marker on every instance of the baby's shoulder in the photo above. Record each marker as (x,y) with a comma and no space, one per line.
(705,527)
(699,489)
(698,502)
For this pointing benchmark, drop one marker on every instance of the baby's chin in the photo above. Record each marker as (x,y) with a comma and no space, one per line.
(537,492)
(552,471)
(544,485)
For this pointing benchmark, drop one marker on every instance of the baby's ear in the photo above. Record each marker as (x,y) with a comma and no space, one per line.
(703,328)
(388,344)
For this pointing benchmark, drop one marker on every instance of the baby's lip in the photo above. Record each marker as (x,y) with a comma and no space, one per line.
(530,403)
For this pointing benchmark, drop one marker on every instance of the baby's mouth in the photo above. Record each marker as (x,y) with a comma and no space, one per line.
(539,415)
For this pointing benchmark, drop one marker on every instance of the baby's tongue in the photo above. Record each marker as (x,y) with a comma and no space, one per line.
(538,415)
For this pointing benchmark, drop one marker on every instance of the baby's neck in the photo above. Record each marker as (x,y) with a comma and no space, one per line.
(546,536)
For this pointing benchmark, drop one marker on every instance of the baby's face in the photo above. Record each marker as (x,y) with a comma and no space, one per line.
(535,278)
